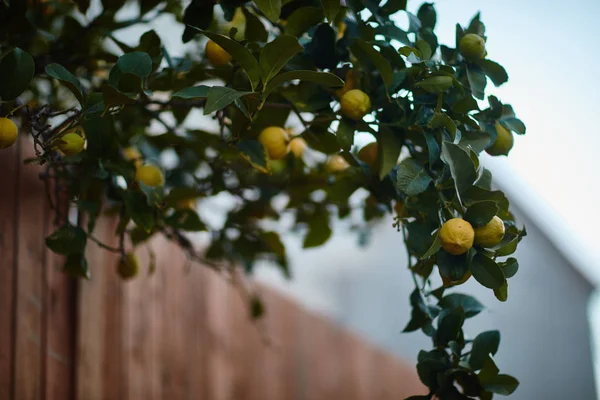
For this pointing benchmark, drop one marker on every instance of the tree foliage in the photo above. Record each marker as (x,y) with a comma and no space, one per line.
(63,68)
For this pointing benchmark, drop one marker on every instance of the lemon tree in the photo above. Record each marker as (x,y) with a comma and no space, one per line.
(261,102)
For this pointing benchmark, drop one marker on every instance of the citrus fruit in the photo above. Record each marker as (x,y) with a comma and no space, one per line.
(447,282)
(490,234)
(368,154)
(216,54)
(504,142)
(336,163)
(349,84)
(274,139)
(457,236)
(70,143)
(472,47)
(133,154)
(355,104)
(8,133)
(129,266)
(186,204)
(150,175)
(297,146)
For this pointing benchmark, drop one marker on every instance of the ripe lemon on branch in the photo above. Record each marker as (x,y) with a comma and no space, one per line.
(216,54)
(297,146)
(274,139)
(355,104)
(8,133)
(503,144)
(490,234)
(150,175)
(335,164)
(71,143)
(457,236)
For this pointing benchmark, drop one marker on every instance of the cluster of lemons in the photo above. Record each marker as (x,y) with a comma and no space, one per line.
(69,143)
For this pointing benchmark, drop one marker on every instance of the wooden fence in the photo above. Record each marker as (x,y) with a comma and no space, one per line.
(176,334)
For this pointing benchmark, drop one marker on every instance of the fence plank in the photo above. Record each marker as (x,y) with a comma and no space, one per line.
(30,269)
(8,247)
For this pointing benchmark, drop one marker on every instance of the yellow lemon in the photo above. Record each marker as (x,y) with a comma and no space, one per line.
(472,47)
(129,266)
(216,54)
(274,139)
(8,133)
(186,204)
(504,142)
(70,143)
(447,282)
(457,236)
(335,164)
(490,234)
(150,175)
(297,146)
(349,84)
(355,104)
(133,154)
(368,154)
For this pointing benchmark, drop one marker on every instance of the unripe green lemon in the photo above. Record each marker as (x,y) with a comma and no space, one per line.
(368,154)
(8,133)
(129,266)
(335,164)
(457,236)
(472,47)
(274,139)
(490,234)
(355,104)
(70,143)
(150,175)
(297,146)
(504,142)
(216,54)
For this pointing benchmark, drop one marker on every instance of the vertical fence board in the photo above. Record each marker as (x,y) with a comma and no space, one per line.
(194,325)
(8,247)
(29,335)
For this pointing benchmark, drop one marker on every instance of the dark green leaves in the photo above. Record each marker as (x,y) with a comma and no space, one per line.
(16,69)
(322,78)
(195,92)
(436,84)
(240,54)
(319,230)
(481,213)
(509,267)
(276,54)
(389,149)
(487,272)
(484,344)
(470,305)
(450,322)
(477,81)
(271,8)
(427,15)
(494,71)
(513,124)
(461,166)
(197,15)
(135,63)
(76,265)
(412,177)
(255,30)
(501,384)
(302,19)
(186,220)
(220,97)
(254,152)
(330,8)
(364,49)
(67,240)
(345,133)
(68,79)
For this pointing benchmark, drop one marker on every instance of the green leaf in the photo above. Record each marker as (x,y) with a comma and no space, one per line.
(443,120)
(194,92)
(389,149)
(435,84)
(271,8)
(240,54)
(427,15)
(77,266)
(424,48)
(330,8)
(197,15)
(494,71)
(255,30)
(487,272)
(135,63)
(508,246)
(470,305)
(450,322)
(322,78)
(502,384)
(513,124)
(434,248)
(477,81)
(461,167)
(488,371)
(16,69)
(82,5)
(484,344)
(138,209)
(322,48)
(509,267)
(502,292)
(151,44)
(318,230)
(114,97)
(220,97)
(322,141)
(67,240)
(393,32)
(381,63)
(254,152)
(479,214)
(302,19)
(68,79)
(428,371)
(412,177)
(187,220)
(345,133)
(276,54)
